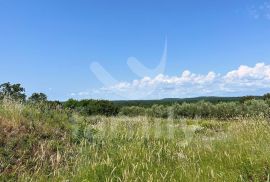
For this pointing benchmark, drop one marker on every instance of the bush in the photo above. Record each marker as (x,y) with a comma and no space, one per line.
(202,109)
(133,111)
(92,107)
(158,111)
(256,108)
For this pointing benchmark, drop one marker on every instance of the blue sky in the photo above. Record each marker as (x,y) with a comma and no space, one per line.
(49,45)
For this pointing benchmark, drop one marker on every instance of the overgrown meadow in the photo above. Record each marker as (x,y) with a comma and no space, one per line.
(93,140)
(45,142)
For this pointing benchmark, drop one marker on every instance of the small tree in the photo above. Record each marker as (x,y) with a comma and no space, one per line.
(71,104)
(266,96)
(38,98)
(247,98)
(13,91)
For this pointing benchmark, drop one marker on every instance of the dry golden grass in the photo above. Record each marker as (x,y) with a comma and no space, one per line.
(55,145)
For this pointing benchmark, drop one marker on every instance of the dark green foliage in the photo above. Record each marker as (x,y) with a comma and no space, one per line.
(12,91)
(133,111)
(171,101)
(92,107)
(38,98)
(203,109)
(227,110)
(249,97)
(15,92)
(266,96)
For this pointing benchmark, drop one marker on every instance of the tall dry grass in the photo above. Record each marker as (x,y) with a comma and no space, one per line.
(41,144)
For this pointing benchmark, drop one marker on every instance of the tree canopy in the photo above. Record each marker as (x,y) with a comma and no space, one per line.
(37,98)
(12,91)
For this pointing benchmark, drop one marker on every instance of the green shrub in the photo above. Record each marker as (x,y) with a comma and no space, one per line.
(92,107)
(202,109)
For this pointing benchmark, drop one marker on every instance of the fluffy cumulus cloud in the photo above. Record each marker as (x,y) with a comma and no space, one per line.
(248,78)
(259,72)
(244,80)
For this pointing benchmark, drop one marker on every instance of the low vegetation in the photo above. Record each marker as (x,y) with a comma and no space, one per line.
(49,141)
(203,109)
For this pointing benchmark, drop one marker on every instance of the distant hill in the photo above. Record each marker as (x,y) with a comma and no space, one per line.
(169,101)
(206,98)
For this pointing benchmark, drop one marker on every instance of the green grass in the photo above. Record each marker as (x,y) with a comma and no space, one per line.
(38,144)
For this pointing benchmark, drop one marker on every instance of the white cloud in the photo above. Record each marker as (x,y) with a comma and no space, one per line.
(260,71)
(244,80)
(186,78)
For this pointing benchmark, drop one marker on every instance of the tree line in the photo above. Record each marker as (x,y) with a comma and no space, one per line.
(204,109)
(16,92)
(246,106)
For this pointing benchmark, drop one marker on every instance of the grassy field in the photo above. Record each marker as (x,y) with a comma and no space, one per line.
(41,144)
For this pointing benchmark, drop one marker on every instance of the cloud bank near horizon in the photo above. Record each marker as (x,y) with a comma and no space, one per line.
(244,80)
